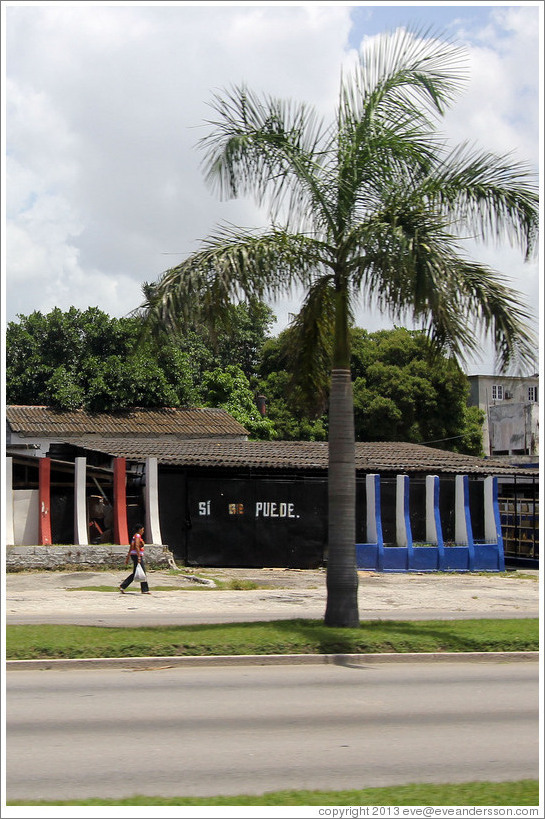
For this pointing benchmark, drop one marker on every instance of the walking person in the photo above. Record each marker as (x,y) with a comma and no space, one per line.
(136,554)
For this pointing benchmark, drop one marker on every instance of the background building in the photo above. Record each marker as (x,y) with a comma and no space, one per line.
(217,499)
(511,424)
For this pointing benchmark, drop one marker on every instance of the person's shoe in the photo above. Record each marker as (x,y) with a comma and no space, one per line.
(144,592)
(122,590)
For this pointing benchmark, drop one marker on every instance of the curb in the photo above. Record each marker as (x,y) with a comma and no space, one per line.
(349,660)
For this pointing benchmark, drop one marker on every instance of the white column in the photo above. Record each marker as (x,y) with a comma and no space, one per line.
(9,530)
(373,509)
(153,529)
(402,511)
(81,529)
(462,519)
(432,502)
(490,522)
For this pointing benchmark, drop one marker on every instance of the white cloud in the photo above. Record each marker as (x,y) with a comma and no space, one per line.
(105,105)
(498,112)
(499,108)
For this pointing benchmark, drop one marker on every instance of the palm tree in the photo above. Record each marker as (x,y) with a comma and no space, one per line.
(374,207)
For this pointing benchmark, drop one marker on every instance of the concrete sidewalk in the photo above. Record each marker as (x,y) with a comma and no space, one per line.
(176,599)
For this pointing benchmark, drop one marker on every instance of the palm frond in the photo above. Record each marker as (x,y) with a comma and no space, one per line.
(231,266)
(494,196)
(267,148)
(383,123)
(410,265)
(309,344)
(411,67)
(499,313)
(376,202)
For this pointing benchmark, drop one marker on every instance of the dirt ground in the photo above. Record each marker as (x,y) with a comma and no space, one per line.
(92,597)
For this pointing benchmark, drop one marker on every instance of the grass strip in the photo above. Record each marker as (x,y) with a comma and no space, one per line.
(523,792)
(220,585)
(298,636)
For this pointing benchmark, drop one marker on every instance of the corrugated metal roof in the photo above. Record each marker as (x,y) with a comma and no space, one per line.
(377,457)
(182,423)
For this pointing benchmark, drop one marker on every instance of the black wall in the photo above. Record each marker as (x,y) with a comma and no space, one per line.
(258,522)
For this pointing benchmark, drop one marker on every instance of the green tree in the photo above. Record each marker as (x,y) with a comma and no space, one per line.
(230,389)
(87,359)
(405,391)
(241,341)
(371,207)
(235,336)
(296,416)
(471,441)
(291,423)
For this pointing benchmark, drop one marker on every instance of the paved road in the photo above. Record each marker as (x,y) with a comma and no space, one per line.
(212,731)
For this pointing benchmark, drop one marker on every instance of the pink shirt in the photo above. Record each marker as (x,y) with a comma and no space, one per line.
(137,544)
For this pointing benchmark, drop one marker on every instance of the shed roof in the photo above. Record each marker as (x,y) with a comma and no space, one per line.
(310,456)
(172,421)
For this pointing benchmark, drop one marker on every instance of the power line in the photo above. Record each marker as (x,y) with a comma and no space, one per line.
(440,440)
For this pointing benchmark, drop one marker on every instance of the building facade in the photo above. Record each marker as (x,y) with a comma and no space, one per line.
(230,502)
(511,423)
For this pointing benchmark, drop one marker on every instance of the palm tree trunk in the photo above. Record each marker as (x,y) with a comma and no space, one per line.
(342,575)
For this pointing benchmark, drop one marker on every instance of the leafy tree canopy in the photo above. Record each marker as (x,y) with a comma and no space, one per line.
(87,359)
(218,341)
(297,412)
(230,390)
(404,391)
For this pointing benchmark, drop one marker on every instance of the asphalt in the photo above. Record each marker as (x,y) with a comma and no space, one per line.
(188,597)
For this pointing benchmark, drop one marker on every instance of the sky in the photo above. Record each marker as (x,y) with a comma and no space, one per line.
(104,105)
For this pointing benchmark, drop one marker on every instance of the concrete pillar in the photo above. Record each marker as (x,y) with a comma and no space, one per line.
(44,489)
(463,531)
(491,529)
(153,529)
(374,522)
(434,533)
(462,517)
(492,520)
(81,529)
(9,529)
(121,533)
(403,523)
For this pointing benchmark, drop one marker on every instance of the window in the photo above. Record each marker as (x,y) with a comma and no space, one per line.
(497,393)
(532,393)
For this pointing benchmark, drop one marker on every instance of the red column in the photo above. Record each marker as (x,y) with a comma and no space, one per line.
(44,499)
(121,533)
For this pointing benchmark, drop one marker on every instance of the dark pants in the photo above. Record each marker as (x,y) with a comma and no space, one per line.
(128,580)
